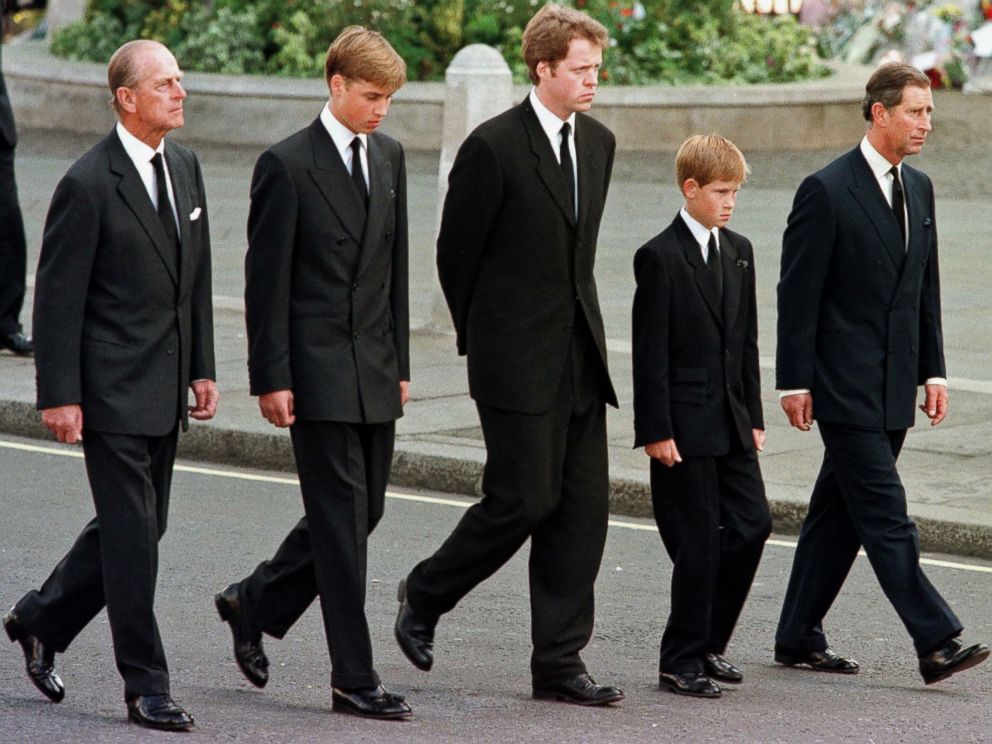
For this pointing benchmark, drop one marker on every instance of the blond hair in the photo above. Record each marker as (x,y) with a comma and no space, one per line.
(551,30)
(709,157)
(361,54)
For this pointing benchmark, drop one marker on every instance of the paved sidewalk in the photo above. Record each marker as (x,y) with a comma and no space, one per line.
(947,470)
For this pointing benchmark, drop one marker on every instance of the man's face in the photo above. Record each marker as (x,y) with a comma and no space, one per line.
(903,128)
(713,204)
(359,105)
(570,84)
(155,105)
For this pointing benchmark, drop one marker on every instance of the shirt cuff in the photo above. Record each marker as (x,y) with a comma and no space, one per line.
(797,391)
(936,381)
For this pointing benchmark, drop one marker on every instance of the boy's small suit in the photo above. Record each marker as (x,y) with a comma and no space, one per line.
(696,379)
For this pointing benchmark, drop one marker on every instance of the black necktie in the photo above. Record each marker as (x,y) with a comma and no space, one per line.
(567,168)
(898,203)
(165,214)
(714,265)
(357,177)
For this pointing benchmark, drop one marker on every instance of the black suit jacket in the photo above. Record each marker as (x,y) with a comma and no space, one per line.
(695,357)
(115,328)
(8,133)
(326,291)
(858,315)
(514,266)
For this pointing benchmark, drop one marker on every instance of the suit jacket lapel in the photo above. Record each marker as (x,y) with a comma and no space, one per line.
(733,276)
(334,182)
(919,221)
(182,190)
(592,166)
(135,195)
(869,196)
(548,168)
(381,195)
(700,273)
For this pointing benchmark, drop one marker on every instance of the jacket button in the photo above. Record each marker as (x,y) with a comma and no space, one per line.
(358,335)
(342,241)
(354,286)
(170,350)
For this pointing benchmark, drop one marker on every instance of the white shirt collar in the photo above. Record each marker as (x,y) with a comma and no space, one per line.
(699,231)
(137,150)
(878,163)
(550,122)
(340,134)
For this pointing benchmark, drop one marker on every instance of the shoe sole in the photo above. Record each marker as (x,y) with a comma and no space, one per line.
(348,710)
(400,640)
(972,661)
(159,727)
(559,697)
(224,610)
(685,693)
(791,661)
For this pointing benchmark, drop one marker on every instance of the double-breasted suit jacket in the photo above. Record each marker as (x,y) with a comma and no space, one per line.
(858,311)
(327,289)
(123,327)
(515,266)
(696,375)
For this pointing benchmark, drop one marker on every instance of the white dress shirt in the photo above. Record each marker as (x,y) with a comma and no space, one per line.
(141,155)
(342,137)
(700,233)
(551,125)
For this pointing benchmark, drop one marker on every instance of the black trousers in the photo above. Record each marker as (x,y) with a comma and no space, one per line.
(714,520)
(858,500)
(343,471)
(13,248)
(546,478)
(114,561)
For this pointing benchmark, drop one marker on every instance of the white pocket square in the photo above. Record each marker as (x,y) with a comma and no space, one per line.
(195,214)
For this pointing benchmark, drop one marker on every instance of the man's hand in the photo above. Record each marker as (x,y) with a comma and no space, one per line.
(65,422)
(206,396)
(277,407)
(404,392)
(759,439)
(665,451)
(799,410)
(935,404)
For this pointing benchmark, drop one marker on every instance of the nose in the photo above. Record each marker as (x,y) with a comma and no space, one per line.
(180,92)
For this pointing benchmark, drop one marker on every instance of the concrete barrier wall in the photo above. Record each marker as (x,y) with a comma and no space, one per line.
(51,93)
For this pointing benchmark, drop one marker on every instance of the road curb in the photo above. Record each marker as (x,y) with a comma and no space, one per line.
(416,469)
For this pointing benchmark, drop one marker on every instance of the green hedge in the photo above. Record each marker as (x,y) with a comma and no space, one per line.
(652,41)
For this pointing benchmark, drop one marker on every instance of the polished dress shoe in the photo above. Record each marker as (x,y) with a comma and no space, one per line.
(716,667)
(372,702)
(951,658)
(158,712)
(580,690)
(693,684)
(39,659)
(820,661)
(17,343)
(248,651)
(414,633)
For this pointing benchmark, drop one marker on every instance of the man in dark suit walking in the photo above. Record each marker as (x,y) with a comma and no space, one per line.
(13,246)
(697,413)
(328,356)
(515,258)
(859,329)
(124,324)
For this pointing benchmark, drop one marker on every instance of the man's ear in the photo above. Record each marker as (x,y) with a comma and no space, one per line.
(126,99)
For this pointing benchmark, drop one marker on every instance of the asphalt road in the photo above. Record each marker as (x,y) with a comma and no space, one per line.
(223,521)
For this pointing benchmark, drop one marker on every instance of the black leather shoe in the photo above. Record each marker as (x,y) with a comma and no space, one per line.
(158,712)
(17,343)
(248,651)
(951,658)
(819,661)
(580,690)
(414,633)
(692,684)
(716,667)
(372,702)
(39,660)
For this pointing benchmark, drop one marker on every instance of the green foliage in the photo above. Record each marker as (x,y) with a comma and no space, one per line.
(651,41)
